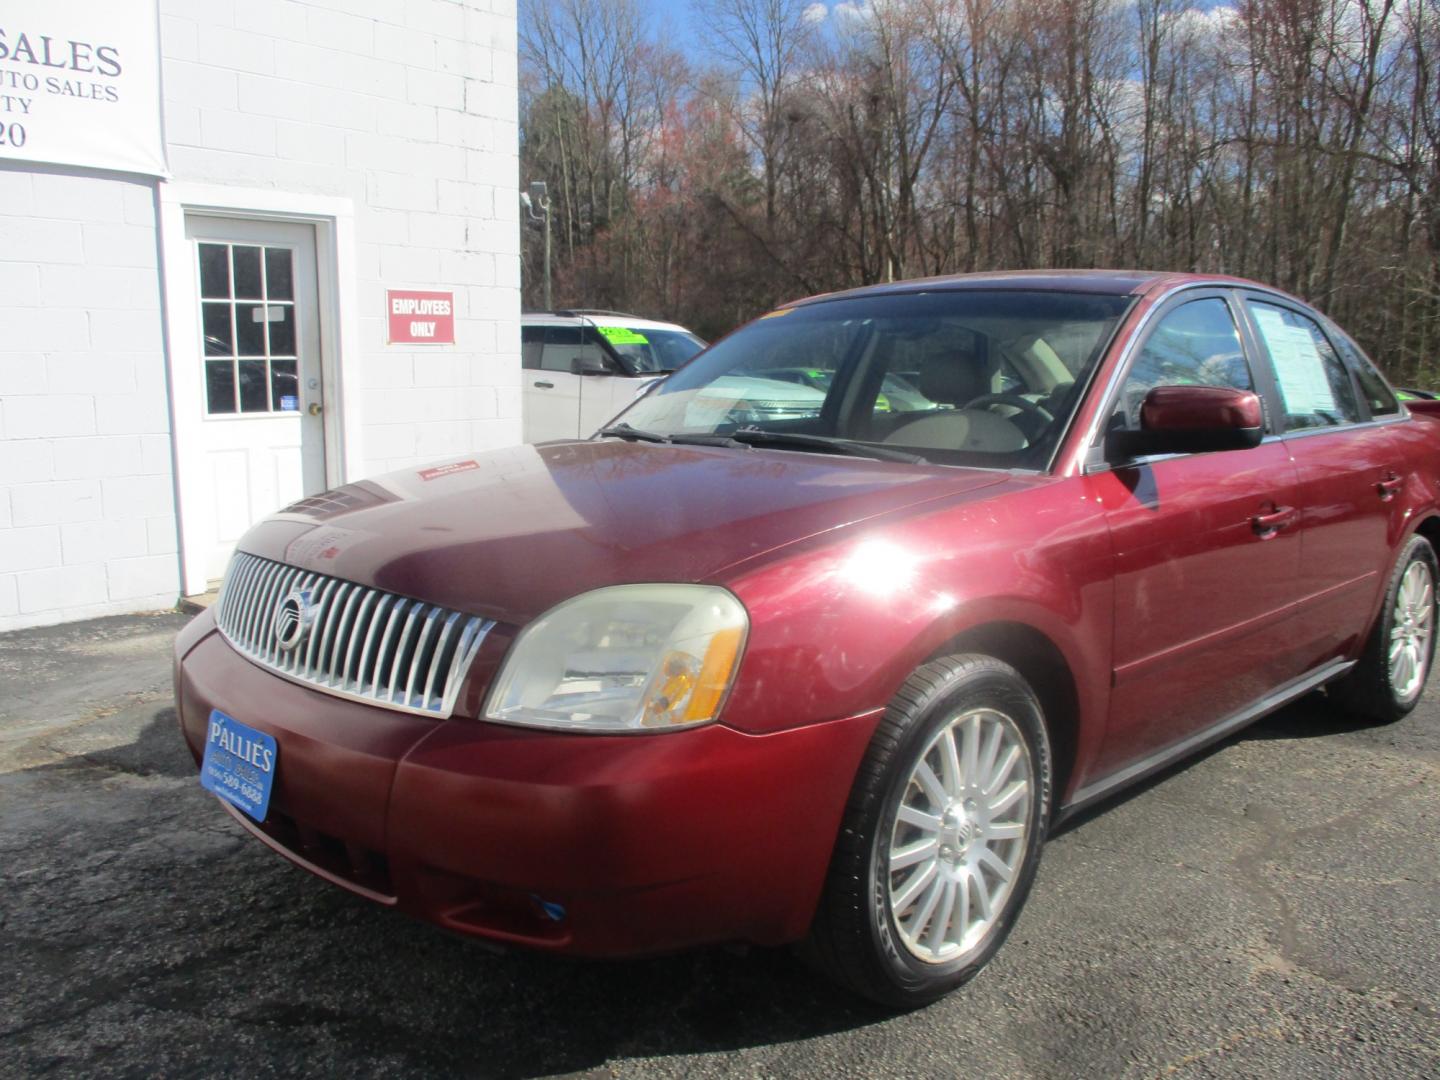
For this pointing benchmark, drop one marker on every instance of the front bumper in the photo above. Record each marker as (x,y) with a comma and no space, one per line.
(585,844)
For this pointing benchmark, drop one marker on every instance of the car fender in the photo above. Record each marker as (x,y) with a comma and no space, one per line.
(841,624)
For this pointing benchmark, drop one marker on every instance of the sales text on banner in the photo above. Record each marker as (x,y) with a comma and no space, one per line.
(80,84)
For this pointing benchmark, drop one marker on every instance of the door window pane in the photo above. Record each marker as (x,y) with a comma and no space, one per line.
(214,271)
(220,386)
(247,272)
(250,340)
(1195,345)
(284,386)
(254,393)
(281,321)
(279,278)
(1314,384)
(217,330)
(250,329)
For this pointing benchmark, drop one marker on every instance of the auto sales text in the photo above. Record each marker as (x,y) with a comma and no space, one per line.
(43,51)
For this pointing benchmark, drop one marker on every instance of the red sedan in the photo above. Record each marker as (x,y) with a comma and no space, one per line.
(758,663)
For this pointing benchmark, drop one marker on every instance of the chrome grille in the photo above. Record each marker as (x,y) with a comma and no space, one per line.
(361,643)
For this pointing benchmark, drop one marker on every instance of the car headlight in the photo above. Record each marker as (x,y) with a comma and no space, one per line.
(623,658)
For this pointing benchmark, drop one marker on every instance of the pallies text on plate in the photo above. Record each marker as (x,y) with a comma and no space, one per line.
(243,748)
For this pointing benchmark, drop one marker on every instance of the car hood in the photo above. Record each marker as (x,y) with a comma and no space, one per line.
(508,534)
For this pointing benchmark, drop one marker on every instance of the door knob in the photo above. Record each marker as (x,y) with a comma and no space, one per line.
(315,408)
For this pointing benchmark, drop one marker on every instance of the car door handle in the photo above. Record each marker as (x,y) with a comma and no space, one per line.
(1267,525)
(546,385)
(1390,486)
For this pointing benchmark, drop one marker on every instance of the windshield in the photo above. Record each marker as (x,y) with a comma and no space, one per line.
(958,377)
(649,351)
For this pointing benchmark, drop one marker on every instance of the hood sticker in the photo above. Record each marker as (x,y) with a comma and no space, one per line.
(437,471)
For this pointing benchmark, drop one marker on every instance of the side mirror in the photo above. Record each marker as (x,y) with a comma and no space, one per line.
(1191,420)
(588,365)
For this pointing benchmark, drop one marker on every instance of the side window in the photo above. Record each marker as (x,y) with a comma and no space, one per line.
(1314,384)
(1197,344)
(532,342)
(1373,387)
(563,346)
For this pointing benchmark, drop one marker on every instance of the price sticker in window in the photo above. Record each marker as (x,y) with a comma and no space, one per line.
(622,335)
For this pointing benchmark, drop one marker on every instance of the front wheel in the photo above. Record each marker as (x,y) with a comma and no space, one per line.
(942,834)
(1390,676)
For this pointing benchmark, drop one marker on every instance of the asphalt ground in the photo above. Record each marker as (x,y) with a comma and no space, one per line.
(1271,909)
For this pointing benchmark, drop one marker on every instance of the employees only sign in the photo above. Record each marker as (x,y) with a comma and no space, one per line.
(80,84)
(420,318)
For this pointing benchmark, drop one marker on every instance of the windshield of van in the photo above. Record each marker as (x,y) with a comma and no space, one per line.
(964,377)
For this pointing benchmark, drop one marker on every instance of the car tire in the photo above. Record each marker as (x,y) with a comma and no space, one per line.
(1381,689)
(875,930)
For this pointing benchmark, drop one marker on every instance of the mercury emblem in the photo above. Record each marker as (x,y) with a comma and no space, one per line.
(292,619)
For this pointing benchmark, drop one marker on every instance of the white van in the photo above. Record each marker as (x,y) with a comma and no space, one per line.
(581,367)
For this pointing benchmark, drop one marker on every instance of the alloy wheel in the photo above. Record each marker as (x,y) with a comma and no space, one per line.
(1411,626)
(960,834)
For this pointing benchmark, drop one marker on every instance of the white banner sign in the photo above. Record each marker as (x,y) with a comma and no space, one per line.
(80,84)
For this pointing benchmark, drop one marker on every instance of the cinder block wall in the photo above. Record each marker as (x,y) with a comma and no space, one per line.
(409,108)
(406,107)
(87,515)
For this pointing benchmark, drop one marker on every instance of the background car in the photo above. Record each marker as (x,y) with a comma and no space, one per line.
(581,367)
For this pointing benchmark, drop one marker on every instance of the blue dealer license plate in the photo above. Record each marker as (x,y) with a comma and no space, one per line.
(239,764)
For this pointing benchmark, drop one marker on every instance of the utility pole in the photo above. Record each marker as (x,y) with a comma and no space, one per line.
(538,196)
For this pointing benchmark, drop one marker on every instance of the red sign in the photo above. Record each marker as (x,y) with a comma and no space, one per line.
(437,471)
(420,318)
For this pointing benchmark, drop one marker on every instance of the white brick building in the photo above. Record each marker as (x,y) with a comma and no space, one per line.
(180,355)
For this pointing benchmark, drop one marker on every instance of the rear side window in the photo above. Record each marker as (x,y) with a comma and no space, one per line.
(1194,345)
(1314,383)
(565,346)
(532,343)
(1373,388)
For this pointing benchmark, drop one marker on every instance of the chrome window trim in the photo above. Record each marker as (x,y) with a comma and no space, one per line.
(412,646)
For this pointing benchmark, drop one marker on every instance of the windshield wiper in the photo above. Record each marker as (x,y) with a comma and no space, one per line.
(753,436)
(623,430)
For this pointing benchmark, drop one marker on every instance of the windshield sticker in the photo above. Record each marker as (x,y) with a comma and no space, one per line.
(1299,369)
(776,314)
(622,335)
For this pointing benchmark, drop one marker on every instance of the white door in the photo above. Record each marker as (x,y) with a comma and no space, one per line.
(551,391)
(261,398)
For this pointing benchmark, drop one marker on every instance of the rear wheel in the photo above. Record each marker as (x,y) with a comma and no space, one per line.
(941,837)
(1389,678)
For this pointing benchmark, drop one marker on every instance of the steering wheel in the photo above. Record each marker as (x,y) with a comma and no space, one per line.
(1037,416)
(1025,405)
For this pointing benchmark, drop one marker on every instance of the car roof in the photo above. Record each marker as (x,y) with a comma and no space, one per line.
(630,322)
(1102,282)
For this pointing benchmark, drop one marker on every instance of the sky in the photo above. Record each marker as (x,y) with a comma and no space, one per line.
(681,27)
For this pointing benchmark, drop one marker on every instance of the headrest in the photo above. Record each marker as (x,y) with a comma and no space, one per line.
(952,378)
